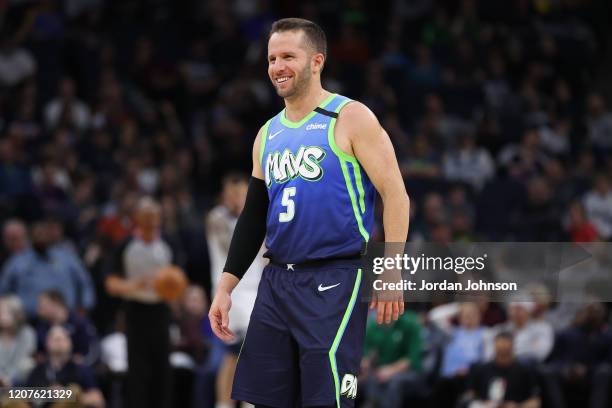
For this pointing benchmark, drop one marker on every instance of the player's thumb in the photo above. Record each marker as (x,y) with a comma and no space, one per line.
(224,318)
(213,314)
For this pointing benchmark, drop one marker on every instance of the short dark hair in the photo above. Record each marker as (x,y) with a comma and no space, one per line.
(234,178)
(55,296)
(504,335)
(312,31)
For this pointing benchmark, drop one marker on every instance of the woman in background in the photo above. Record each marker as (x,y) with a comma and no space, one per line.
(17,342)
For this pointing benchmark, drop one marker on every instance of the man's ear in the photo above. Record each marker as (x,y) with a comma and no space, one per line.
(317,62)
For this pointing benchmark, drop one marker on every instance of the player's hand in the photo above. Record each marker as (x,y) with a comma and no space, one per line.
(389,306)
(219,315)
(144,282)
(389,303)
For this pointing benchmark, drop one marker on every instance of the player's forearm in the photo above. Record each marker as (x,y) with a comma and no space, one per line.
(396,215)
(250,230)
(227,283)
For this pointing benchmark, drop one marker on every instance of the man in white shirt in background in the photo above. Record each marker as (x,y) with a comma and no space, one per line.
(598,206)
(220,224)
(533,339)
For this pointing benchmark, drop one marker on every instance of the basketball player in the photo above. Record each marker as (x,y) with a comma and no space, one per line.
(316,166)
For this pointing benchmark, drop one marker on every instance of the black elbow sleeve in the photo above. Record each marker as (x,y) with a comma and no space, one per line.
(250,229)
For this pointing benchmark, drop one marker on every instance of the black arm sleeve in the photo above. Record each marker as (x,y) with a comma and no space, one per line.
(250,229)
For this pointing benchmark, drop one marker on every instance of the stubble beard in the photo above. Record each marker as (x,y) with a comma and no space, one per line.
(300,87)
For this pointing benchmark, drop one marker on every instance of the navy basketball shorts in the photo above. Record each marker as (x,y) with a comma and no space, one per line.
(304,342)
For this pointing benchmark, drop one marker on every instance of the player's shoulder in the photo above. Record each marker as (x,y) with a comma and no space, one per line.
(263,129)
(357,117)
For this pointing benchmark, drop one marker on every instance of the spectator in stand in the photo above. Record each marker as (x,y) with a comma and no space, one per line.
(560,316)
(14,239)
(523,161)
(52,185)
(462,228)
(39,268)
(16,63)
(539,219)
(198,74)
(391,367)
(458,201)
(598,206)
(462,214)
(422,162)
(379,96)
(61,370)
(559,179)
(17,342)
(578,226)
(491,313)
(465,347)
(444,127)
(351,47)
(118,225)
(425,71)
(468,163)
(52,311)
(584,171)
(532,339)
(599,124)
(432,214)
(58,239)
(581,358)
(502,382)
(66,109)
(15,179)
(555,139)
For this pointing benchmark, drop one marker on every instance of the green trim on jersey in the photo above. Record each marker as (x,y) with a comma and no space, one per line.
(340,333)
(332,141)
(357,174)
(294,125)
(344,157)
(264,138)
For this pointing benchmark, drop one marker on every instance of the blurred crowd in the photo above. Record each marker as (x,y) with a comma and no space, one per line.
(493,109)
(482,354)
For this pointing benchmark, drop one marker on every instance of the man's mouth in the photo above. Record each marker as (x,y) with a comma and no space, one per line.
(283,79)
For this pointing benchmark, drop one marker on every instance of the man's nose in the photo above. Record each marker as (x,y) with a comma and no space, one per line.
(278,65)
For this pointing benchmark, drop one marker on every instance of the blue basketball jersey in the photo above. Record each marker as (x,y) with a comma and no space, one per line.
(321,200)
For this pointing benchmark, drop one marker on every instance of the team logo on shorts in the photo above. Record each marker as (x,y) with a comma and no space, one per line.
(349,386)
(285,166)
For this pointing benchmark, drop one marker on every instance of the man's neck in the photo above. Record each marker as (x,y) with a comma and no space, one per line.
(301,105)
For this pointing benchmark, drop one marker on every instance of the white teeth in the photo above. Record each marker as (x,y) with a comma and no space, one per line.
(280,80)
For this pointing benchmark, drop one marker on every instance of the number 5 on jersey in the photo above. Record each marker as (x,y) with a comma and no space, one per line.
(287,202)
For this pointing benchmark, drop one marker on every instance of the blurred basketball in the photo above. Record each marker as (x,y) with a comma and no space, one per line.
(170,283)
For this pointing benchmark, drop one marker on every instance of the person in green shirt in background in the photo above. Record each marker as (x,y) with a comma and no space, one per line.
(391,366)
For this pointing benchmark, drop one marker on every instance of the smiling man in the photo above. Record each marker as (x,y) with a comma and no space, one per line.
(316,168)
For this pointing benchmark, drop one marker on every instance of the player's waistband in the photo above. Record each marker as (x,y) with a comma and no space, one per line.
(351,260)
